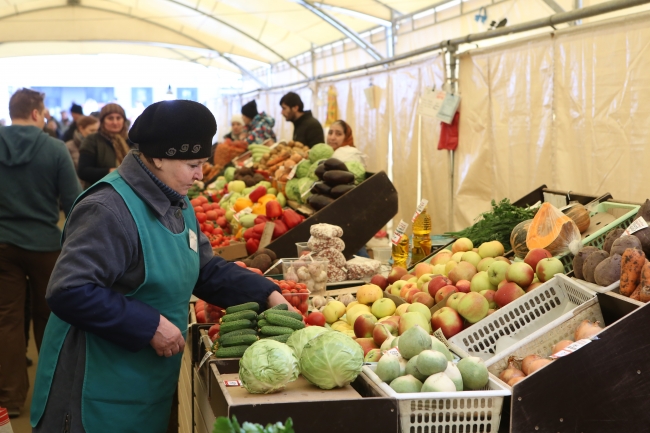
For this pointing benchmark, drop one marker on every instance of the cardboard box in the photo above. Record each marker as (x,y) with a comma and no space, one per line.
(234,251)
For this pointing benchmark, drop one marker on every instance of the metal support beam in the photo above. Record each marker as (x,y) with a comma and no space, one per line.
(257,41)
(554,5)
(354,36)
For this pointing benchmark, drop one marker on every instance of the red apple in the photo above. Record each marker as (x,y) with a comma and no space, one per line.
(462,271)
(405,289)
(448,321)
(424,298)
(395,274)
(473,307)
(410,294)
(379,280)
(437,283)
(367,344)
(533,286)
(535,255)
(421,269)
(547,268)
(407,277)
(520,273)
(444,291)
(382,331)
(489,295)
(364,325)
(463,286)
(373,355)
(508,293)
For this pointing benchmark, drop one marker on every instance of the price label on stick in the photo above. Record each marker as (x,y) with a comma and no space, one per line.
(420,208)
(399,231)
(637,224)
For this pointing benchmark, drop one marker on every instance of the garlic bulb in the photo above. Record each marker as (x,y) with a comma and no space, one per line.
(318,302)
(346,299)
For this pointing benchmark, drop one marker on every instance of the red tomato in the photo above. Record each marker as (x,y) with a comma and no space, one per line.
(200,316)
(207,228)
(211,215)
(303,308)
(214,329)
(315,318)
(291,283)
(218,231)
(226,243)
(303,290)
(201,217)
(195,202)
(202,198)
(295,301)
(215,206)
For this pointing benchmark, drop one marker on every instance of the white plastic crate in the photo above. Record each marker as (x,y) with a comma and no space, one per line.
(596,287)
(520,318)
(541,343)
(446,412)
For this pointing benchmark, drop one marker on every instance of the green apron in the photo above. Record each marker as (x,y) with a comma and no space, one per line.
(125,391)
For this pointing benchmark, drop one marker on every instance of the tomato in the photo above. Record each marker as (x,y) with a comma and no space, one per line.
(195,202)
(295,301)
(211,215)
(303,308)
(202,198)
(226,243)
(218,231)
(315,318)
(291,283)
(201,217)
(200,316)
(215,206)
(303,290)
(207,228)
(214,329)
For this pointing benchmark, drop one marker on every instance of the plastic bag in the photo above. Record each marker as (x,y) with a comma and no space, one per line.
(553,231)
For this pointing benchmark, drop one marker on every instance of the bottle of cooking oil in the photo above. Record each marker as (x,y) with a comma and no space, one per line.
(401,252)
(421,236)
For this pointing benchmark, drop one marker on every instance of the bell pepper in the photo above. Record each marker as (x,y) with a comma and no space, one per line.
(252,234)
(279,229)
(291,218)
(259,209)
(259,228)
(261,219)
(264,199)
(252,245)
(257,193)
(273,209)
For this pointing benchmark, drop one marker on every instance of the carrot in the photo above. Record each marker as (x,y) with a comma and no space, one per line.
(632,263)
(644,294)
(635,294)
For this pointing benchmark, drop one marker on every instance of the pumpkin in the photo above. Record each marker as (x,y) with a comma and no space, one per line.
(580,215)
(552,230)
(518,238)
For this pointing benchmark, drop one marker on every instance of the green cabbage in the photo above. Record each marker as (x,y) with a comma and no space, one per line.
(358,169)
(298,339)
(295,189)
(303,168)
(320,151)
(312,169)
(331,360)
(268,366)
(229,174)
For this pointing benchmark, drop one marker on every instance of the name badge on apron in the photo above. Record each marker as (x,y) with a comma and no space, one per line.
(194,242)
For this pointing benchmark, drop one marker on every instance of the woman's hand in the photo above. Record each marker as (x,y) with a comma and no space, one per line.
(168,339)
(276,298)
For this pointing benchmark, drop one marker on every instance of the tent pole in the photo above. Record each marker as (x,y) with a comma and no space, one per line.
(453,82)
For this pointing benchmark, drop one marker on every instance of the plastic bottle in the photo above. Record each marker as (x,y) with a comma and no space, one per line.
(421,237)
(401,252)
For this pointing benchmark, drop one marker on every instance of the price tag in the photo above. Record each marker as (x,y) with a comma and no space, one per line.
(399,231)
(232,382)
(571,348)
(393,351)
(292,173)
(430,103)
(637,224)
(242,212)
(207,356)
(420,208)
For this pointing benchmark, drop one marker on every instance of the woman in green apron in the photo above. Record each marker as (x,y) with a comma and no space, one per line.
(132,255)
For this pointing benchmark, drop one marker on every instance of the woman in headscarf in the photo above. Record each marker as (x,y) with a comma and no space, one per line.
(103,151)
(340,138)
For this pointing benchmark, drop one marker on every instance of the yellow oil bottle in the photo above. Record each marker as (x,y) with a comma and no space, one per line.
(421,237)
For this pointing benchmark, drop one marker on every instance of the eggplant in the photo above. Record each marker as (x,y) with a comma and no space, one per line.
(335,164)
(320,171)
(339,190)
(321,188)
(338,177)
(319,201)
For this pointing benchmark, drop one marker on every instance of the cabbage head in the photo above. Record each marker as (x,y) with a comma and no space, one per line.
(311,173)
(295,189)
(299,338)
(320,151)
(331,360)
(303,168)
(358,170)
(268,366)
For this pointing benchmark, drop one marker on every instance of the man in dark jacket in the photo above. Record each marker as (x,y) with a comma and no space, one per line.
(76,112)
(36,173)
(306,129)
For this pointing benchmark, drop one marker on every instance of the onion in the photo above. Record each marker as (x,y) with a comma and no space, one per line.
(537,364)
(511,372)
(560,345)
(587,329)
(525,364)
(515,380)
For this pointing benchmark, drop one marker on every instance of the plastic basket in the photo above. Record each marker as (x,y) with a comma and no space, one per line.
(541,343)
(438,412)
(520,318)
(596,288)
(597,239)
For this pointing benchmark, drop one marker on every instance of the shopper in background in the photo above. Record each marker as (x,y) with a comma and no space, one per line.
(76,112)
(103,151)
(36,174)
(238,129)
(306,129)
(132,256)
(65,121)
(86,125)
(340,138)
(51,125)
(260,125)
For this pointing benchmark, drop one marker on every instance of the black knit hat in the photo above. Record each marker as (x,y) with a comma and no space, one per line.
(76,108)
(174,129)
(250,109)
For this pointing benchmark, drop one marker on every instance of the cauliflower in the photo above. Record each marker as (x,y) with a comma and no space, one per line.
(320,151)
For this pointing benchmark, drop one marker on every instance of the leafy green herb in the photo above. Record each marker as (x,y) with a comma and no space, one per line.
(497,224)
(224,425)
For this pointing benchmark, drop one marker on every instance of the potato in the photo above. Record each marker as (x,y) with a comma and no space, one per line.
(608,271)
(589,267)
(579,260)
(623,243)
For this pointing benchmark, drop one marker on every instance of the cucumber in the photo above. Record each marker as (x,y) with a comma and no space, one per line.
(291,314)
(246,314)
(279,307)
(238,340)
(231,352)
(246,331)
(262,323)
(235,326)
(270,331)
(281,338)
(279,320)
(241,307)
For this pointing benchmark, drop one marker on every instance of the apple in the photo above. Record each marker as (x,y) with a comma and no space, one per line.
(462,245)
(535,255)
(373,355)
(448,321)
(412,318)
(364,325)
(502,283)
(350,305)
(497,272)
(437,283)
(356,311)
(369,293)
(424,298)
(401,309)
(533,286)
(471,257)
(508,293)
(405,289)
(484,263)
(421,269)
(423,281)
(489,295)
(441,258)
(464,271)
(411,293)
(438,269)
(457,257)
(419,308)
(463,286)
(407,277)
(491,311)
(380,333)
(473,307)
(547,268)
(443,292)
(379,280)
(503,259)
(367,344)
(491,249)
(449,266)
(520,273)
(396,287)
(395,274)
(454,299)
(383,307)
(480,282)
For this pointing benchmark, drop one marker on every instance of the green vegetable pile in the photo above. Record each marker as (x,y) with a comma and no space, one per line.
(224,425)
(496,225)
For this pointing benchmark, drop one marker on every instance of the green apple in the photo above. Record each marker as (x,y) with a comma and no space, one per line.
(484,263)
(481,282)
(471,257)
(497,272)
(423,281)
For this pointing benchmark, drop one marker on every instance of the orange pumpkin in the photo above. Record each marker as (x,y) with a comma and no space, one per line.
(551,230)
(518,239)
(580,215)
